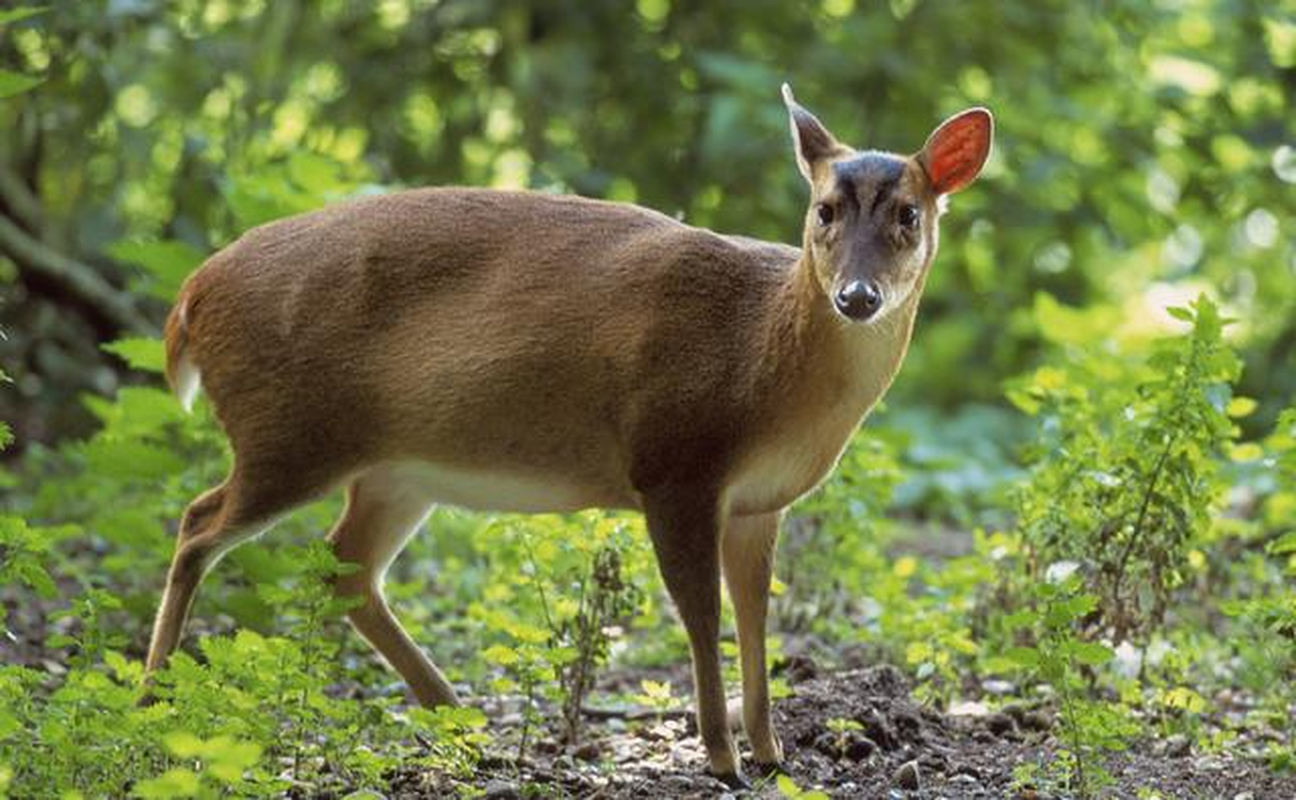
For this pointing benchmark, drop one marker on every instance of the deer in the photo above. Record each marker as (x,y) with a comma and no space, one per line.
(519,351)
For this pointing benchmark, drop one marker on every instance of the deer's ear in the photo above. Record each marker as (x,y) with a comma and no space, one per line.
(957,150)
(810,139)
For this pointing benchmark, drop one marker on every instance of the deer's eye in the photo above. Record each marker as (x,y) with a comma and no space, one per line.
(826,214)
(909,217)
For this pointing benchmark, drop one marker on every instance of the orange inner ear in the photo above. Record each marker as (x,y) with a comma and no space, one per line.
(956,156)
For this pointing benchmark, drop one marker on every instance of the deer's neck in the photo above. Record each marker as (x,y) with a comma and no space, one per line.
(825,375)
(822,359)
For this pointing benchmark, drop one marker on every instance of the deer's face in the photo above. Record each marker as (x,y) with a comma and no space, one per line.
(871,232)
(871,227)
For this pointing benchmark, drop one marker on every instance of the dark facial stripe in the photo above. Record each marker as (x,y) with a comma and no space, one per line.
(884,191)
(880,172)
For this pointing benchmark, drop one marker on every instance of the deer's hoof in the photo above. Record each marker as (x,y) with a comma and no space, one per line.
(733,780)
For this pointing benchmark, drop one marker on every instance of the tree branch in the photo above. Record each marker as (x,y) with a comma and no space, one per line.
(79,279)
(19,199)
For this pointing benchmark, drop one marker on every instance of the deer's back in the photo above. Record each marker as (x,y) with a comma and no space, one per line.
(480,329)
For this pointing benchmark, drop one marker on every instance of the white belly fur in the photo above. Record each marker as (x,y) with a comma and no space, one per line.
(484,490)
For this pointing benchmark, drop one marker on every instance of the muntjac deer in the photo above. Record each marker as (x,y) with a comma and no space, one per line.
(517,351)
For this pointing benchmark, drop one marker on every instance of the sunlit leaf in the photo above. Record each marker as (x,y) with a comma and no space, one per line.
(17,14)
(141,353)
(12,83)
(167,263)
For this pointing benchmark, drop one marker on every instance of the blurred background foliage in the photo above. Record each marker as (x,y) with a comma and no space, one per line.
(1145,152)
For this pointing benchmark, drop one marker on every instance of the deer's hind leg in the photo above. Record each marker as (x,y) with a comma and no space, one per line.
(382,512)
(202,529)
(215,523)
(262,487)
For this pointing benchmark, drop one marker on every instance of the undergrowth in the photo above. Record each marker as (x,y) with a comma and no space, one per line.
(1119,539)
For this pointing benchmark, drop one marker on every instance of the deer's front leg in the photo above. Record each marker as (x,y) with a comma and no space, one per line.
(685,529)
(748,549)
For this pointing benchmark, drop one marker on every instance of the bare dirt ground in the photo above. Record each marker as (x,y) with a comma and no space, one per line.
(901,751)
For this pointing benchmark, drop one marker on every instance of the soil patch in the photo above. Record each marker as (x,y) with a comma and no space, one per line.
(893,748)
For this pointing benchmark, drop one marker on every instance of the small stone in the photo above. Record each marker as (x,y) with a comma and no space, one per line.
(1244,796)
(563,761)
(858,746)
(826,743)
(968,708)
(1001,724)
(907,777)
(501,790)
(998,688)
(963,779)
(589,751)
(879,730)
(1177,746)
(799,669)
(1037,721)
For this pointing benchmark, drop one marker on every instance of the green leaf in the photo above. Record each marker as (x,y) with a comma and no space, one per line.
(12,83)
(230,758)
(183,744)
(1283,544)
(1090,653)
(1023,656)
(172,783)
(131,459)
(464,716)
(17,14)
(168,263)
(315,173)
(1240,407)
(9,725)
(140,352)
(500,655)
(1185,698)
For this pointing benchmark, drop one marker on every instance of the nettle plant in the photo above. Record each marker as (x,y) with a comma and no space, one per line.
(575,582)
(1267,644)
(1059,656)
(1125,472)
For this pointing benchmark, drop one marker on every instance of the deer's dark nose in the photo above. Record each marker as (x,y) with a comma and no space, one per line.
(858,300)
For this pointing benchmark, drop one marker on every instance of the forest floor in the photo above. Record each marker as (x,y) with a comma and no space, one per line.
(902,750)
(899,749)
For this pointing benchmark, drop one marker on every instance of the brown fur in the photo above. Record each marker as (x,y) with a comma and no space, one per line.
(520,340)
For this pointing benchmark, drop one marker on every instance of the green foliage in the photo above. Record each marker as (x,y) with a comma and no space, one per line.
(23,554)
(140,137)
(218,767)
(1061,657)
(254,718)
(456,737)
(788,788)
(578,581)
(1268,617)
(1126,468)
